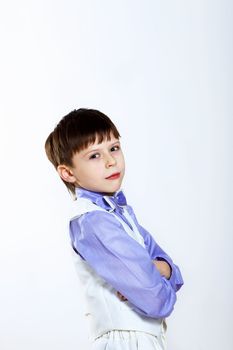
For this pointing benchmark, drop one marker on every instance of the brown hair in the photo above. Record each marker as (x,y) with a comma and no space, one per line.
(75,132)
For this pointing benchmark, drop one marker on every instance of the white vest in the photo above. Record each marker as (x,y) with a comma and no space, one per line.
(104,309)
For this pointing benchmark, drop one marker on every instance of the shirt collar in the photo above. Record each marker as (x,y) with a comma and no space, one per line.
(109,203)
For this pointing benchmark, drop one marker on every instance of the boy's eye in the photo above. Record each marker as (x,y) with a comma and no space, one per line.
(94,156)
(115,148)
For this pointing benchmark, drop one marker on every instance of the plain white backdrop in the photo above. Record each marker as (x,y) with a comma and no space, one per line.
(162,70)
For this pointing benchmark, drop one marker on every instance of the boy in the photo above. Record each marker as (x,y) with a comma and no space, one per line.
(130,283)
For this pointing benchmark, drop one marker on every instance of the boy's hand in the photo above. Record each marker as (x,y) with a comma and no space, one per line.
(163,267)
(121,297)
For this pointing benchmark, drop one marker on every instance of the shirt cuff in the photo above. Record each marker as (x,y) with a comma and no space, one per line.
(175,279)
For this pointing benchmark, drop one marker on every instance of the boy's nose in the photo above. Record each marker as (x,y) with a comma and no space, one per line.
(110,161)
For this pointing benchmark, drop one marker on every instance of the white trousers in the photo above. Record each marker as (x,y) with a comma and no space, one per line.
(130,340)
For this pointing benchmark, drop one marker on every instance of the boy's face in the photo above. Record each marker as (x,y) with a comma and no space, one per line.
(100,167)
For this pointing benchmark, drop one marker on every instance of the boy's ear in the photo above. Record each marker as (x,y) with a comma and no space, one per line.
(66,173)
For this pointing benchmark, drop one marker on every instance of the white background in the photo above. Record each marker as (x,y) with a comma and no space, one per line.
(162,70)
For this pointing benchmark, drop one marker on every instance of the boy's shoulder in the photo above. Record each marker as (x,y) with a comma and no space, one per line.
(95,222)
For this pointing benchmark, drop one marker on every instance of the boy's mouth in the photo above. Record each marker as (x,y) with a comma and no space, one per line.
(113,176)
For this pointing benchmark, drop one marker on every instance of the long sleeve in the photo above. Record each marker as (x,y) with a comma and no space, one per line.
(156,252)
(123,263)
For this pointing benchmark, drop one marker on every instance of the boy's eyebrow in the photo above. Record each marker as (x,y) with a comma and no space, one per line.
(97,149)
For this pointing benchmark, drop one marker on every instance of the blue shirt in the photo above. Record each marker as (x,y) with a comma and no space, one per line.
(120,260)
